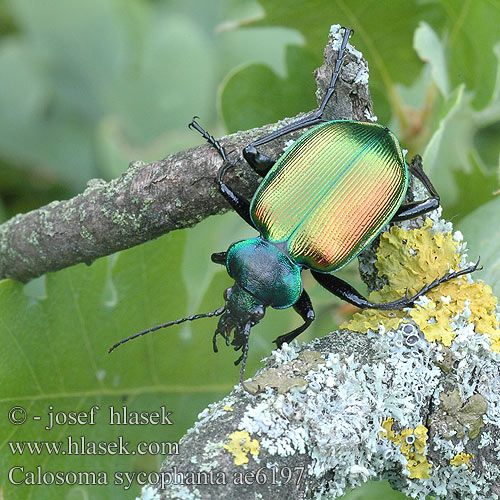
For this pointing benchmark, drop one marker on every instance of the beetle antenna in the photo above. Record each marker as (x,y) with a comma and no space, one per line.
(194,317)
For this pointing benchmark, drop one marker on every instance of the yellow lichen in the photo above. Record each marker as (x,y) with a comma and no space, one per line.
(412,445)
(388,433)
(240,444)
(412,259)
(461,458)
(420,433)
(228,408)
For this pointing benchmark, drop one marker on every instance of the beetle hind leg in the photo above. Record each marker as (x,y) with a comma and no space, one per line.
(346,292)
(262,163)
(416,208)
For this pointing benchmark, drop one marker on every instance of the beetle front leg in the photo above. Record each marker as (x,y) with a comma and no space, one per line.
(416,208)
(346,292)
(304,307)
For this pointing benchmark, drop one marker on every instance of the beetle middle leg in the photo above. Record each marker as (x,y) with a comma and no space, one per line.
(346,292)
(304,307)
(416,208)
(262,163)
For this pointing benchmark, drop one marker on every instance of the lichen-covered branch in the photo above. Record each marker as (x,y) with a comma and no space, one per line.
(411,396)
(149,200)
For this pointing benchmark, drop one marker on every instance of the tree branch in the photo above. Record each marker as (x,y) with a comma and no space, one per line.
(149,200)
(318,426)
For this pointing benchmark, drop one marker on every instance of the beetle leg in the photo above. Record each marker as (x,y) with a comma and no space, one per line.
(416,208)
(346,292)
(317,116)
(210,139)
(258,161)
(304,307)
(219,258)
(239,203)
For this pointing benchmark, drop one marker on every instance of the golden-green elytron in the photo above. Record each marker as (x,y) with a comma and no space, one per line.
(332,192)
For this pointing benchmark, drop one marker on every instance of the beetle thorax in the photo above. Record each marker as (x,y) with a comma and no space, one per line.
(265,271)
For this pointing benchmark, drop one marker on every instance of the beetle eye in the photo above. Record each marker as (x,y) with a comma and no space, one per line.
(227,293)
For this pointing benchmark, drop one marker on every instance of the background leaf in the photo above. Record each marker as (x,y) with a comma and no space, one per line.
(56,356)
(483,239)
(273,97)
(88,87)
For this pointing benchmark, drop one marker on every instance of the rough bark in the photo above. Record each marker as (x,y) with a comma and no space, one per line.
(319,431)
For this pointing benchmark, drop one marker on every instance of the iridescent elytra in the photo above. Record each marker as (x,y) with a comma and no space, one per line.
(318,206)
(332,192)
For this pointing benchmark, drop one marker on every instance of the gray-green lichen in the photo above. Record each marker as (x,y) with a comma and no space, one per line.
(85,234)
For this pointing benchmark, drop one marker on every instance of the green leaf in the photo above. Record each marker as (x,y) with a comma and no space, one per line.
(452,160)
(255,95)
(374,490)
(470,42)
(430,49)
(383,32)
(482,234)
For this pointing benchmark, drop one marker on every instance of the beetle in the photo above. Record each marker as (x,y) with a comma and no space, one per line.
(318,206)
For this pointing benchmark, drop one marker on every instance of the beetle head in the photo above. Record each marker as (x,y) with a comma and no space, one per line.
(242,311)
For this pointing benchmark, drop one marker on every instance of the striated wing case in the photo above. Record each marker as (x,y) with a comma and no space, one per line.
(332,192)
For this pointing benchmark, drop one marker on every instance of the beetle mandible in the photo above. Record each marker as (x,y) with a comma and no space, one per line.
(318,206)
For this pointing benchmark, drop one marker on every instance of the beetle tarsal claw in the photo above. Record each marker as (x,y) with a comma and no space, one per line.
(191,125)
(477,267)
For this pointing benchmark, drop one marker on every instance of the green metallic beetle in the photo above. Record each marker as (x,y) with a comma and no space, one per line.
(319,205)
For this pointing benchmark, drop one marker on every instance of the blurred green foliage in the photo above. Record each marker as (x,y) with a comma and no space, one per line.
(87,87)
